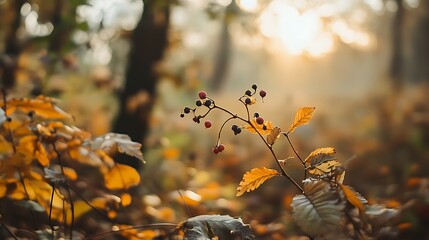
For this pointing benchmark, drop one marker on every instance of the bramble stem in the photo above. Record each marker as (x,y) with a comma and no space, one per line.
(296,153)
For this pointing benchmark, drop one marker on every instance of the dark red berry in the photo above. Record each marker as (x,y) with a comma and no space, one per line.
(259,120)
(182,115)
(254,87)
(215,150)
(207,124)
(248,93)
(202,95)
(248,101)
(187,110)
(262,93)
(199,103)
(221,147)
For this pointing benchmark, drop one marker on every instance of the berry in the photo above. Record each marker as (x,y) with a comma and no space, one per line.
(259,120)
(248,93)
(199,103)
(202,95)
(215,150)
(207,124)
(221,147)
(248,101)
(182,115)
(234,127)
(238,131)
(187,110)
(254,87)
(208,103)
(262,93)
(197,119)
(256,114)
(264,127)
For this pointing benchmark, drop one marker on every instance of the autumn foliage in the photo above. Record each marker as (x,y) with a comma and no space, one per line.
(39,153)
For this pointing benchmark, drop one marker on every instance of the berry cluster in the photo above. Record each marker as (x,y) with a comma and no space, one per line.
(207,103)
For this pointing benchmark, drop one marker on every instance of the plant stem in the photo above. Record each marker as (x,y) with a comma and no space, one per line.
(148,226)
(296,153)
(283,172)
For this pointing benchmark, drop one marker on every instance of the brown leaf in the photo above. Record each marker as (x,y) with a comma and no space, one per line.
(260,127)
(352,197)
(42,106)
(320,155)
(121,142)
(121,177)
(254,178)
(273,136)
(302,116)
(324,167)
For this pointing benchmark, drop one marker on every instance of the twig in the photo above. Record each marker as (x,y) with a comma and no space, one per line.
(148,226)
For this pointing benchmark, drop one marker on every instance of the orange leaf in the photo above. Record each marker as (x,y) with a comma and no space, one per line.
(42,106)
(320,155)
(263,129)
(352,197)
(126,199)
(121,177)
(302,116)
(254,178)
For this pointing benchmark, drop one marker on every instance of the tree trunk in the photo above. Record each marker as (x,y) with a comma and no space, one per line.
(397,62)
(148,42)
(8,62)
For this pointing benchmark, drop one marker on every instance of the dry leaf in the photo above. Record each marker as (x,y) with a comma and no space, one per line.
(320,155)
(273,136)
(42,106)
(324,167)
(352,197)
(254,178)
(125,199)
(121,177)
(302,116)
(260,127)
(121,142)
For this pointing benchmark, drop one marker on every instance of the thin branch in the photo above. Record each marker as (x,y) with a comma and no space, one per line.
(9,231)
(184,203)
(296,153)
(148,226)
(283,172)
(67,189)
(221,128)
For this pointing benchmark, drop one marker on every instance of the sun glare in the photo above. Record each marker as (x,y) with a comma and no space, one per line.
(303,31)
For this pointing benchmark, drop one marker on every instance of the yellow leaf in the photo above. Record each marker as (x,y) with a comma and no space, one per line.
(302,116)
(121,177)
(5,146)
(70,173)
(273,136)
(42,106)
(254,178)
(3,188)
(320,155)
(126,199)
(324,167)
(41,155)
(263,129)
(352,197)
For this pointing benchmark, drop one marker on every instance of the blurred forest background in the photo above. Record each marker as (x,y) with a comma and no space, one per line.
(130,66)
